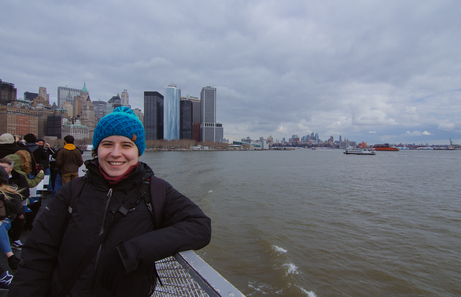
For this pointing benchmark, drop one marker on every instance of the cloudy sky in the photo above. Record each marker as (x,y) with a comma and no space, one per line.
(374,71)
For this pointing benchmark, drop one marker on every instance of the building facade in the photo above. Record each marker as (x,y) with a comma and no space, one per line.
(54,126)
(66,94)
(18,120)
(171,112)
(8,92)
(87,117)
(100,109)
(153,115)
(125,98)
(185,121)
(30,96)
(209,129)
(76,130)
(138,112)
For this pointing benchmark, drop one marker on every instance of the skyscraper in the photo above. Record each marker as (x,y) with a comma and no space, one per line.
(66,94)
(125,98)
(209,129)
(171,112)
(153,115)
(185,131)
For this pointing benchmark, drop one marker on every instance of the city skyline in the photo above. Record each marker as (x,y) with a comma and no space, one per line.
(375,71)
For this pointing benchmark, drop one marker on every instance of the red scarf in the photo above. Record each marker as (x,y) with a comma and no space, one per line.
(116,179)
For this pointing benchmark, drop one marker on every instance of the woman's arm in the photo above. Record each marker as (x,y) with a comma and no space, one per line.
(36,180)
(185,227)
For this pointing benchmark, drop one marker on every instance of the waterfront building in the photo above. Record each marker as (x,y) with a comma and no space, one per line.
(100,109)
(185,121)
(195,107)
(113,103)
(196,132)
(30,96)
(78,131)
(43,114)
(138,112)
(43,94)
(171,112)
(153,115)
(43,99)
(125,99)
(66,94)
(209,129)
(69,108)
(18,120)
(54,126)
(8,92)
(87,117)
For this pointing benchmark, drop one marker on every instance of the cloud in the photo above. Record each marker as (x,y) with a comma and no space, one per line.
(280,68)
(414,133)
(426,133)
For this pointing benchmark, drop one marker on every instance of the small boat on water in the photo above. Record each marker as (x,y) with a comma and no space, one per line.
(359,151)
(385,147)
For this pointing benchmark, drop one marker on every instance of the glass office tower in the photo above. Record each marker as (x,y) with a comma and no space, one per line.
(66,94)
(171,112)
(209,129)
(153,115)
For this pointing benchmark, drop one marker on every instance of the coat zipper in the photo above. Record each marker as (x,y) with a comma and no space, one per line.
(109,196)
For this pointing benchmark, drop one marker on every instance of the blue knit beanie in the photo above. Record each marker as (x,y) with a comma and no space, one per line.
(123,122)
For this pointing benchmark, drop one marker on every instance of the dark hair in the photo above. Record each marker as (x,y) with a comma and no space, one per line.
(69,139)
(30,138)
(94,152)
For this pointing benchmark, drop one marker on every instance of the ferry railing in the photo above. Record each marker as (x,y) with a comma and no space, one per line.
(186,274)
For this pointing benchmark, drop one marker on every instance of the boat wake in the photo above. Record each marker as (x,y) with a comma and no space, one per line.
(283,263)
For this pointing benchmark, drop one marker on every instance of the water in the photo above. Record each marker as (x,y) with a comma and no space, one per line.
(320,223)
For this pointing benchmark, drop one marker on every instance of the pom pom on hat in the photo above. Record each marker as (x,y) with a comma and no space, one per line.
(122,122)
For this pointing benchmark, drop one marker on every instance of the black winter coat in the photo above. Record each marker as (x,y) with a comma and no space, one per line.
(19,180)
(12,205)
(56,246)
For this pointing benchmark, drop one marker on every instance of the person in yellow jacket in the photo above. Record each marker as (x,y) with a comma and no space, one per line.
(69,160)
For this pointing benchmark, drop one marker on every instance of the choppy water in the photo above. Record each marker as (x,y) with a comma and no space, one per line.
(320,223)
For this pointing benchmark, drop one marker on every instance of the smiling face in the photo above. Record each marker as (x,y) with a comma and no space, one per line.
(116,154)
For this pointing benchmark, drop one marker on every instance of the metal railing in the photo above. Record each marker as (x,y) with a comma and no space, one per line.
(186,274)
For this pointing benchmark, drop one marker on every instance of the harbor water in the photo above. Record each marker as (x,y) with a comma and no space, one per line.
(320,223)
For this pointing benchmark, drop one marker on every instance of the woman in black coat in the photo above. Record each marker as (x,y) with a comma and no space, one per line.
(124,263)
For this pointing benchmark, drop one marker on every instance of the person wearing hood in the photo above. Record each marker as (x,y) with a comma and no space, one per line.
(69,160)
(85,208)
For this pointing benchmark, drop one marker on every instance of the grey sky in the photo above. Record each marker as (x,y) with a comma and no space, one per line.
(375,71)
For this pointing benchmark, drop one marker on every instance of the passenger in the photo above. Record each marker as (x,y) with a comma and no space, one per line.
(44,160)
(69,160)
(124,264)
(19,182)
(8,145)
(37,153)
(10,199)
(21,165)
